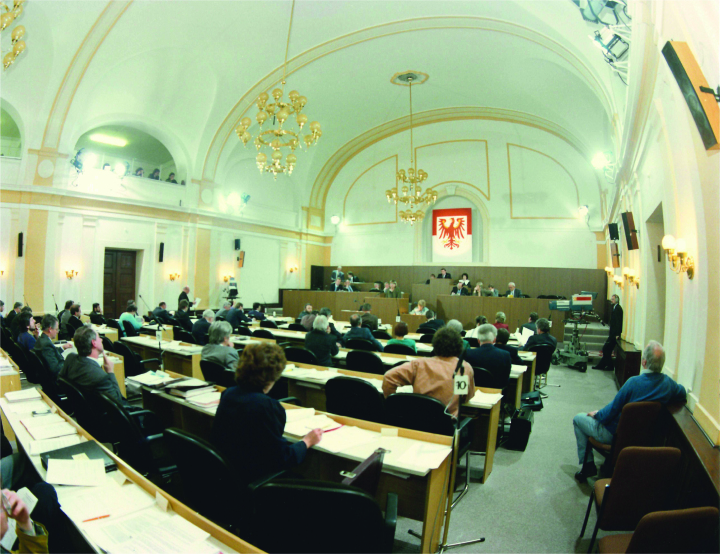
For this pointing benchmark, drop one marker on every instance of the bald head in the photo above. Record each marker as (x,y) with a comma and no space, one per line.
(186,289)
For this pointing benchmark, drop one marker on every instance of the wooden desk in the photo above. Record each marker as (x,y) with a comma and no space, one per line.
(168,333)
(219,535)
(421,497)
(627,361)
(9,383)
(184,363)
(413,321)
(109,332)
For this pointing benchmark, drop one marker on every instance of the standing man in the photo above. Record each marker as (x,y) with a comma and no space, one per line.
(512,292)
(184,296)
(444,274)
(337,274)
(45,348)
(96,317)
(201,327)
(616,323)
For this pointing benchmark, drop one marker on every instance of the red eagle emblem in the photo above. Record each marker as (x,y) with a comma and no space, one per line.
(451,233)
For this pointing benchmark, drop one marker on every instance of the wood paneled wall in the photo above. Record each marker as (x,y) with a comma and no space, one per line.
(530,280)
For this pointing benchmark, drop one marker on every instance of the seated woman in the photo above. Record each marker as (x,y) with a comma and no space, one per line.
(132,317)
(420,309)
(500,321)
(248,426)
(27,332)
(321,342)
(219,349)
(401,329)
(393,291)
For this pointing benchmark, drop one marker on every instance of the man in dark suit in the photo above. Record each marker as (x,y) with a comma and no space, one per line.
(352,278)
(182,317)
(161,314)
(367,318)
(432,322)
(432,276)
(513,292)
(616,323)
(358,332)
(236,315)
(256,312)
(337,274)
(503,335)
(45,348)
(14,323)
(14,312)
(487,356)
(201,327)
(96,317)
(74,323)
(337,287)
(184,296)
(333,331)
(532,322)
(542,336)
(444,274)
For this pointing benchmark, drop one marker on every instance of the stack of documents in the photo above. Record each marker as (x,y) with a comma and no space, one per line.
(28,406)
(6,368)
(47,426)
(526,355)
(81,472)
(153,378)
(517,370)
(305,422)
(484,399)
(206,400)
(23,395)
(309,374)
(46,445)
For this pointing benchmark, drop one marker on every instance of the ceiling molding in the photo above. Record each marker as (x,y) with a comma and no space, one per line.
(344,154)
(226,130)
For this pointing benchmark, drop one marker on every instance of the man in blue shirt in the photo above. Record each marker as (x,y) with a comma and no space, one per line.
(650,386)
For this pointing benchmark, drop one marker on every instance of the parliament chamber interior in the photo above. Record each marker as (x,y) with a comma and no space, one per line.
(415,276)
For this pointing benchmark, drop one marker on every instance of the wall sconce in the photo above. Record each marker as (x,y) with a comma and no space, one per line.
(618,281)
(174,276)
(70,274)
(632,276)
(292,269)
(676,250)
(226,278)
(609,270)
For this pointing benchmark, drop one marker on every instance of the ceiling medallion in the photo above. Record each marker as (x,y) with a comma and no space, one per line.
(411,193)
(279,136)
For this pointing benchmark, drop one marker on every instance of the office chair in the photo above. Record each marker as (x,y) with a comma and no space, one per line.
(297,327)
(107,344)
(366,531)
(640,484)
(263,334)
(361,344)
(217,374)
(352,397)
(403,349)
(129,329)
(268,324)
(84,411)
(426,338)
(133,364)
(48,381)
(542,366)
(689,530)
(381,335)
(472,342)
(427,414)
(20,356)
(300,355)
(242,331)
(426,330)
(366,362)
(484,378)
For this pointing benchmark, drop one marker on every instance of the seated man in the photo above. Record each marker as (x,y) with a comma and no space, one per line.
(490,291)
(45,348)
(368,319)
(333,331)
(13,313)
(473,333)
(161,314)
(512,292)
(63,316)
(377,287)
(308,319)
(84,369)
(652,385)
(132,317)
(306,310)
(543,335)
(27,331)
(503,335)
(348,286)
(201,327)
(74,323)
(222,312)
(461,289)
(337,286)
(444,274)
(219,349)
(96,317)
(432,322)
(433,376)
(432,277)
(236,315)
(15,325)
(351,278)
(358,332)
(321,342)
(182,316)
(487,356)
(257,311)
(531,322)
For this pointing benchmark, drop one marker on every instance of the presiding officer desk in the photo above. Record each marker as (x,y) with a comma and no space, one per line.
(416,466)
(135,504)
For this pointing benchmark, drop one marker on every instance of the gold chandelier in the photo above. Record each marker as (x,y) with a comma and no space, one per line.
(411,193)
(17,45)
(278,137)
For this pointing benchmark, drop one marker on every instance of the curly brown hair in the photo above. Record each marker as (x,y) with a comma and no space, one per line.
(260,365)
(447,343)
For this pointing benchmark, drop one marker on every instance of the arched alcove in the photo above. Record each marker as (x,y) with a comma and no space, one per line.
(11,139)
(117,144)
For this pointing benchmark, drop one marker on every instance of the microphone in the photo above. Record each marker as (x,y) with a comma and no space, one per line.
(55,301)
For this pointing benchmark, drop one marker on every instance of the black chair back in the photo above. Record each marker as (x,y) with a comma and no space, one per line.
(129,329)
(381,335)
(20,355)
(399,349)
(263,334)
(217,374)
(484,378)
(297,327)
(242,331)
(114,324)
(361,344)
(107,344)
(367,362)
(84,411)
(217,495)
(185,336)
(472,341)
(426,330)
(352,397)
(419,412)
(426,338)
(36,369)
(544,358)
(268,324)
(131,361)
(365,531)
(300,355)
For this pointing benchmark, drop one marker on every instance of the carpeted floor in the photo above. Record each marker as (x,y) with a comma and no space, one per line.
(531,502)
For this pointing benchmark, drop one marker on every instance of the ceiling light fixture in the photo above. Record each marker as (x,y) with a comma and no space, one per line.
(411,193)
(335,219)
(17,44)
(278,137)
(606,162)
(106,139)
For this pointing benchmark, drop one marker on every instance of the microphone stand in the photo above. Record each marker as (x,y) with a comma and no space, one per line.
(158,332)
(55,301)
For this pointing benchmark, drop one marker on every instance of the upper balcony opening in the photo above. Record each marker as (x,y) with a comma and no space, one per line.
(10,139)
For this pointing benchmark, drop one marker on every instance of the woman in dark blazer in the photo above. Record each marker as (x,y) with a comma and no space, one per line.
(248,427)
(321,342)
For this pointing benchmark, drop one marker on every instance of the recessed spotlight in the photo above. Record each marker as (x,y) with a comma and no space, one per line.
(106,139)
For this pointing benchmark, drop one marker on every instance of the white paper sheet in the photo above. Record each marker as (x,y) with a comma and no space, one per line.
(38,447)
(84,473)
(518,369)
(300,413)
(205,400)
(484,399)
(111,499)
(23,395)
(52,431)
(304,426)
(31,423)
(347,437)
(28,406)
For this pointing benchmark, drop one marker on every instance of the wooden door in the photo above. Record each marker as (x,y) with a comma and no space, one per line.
(118,281)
